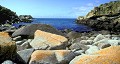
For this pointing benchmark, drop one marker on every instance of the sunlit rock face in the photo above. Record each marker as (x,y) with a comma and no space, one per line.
(51,56)
(104,17)
(49,40)
(7,46)
(108,55)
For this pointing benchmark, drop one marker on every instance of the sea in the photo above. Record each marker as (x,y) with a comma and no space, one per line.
(58,23)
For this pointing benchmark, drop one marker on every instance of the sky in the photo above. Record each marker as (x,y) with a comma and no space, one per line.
(52,8)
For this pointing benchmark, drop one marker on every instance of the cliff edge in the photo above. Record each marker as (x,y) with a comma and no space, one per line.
(104,17)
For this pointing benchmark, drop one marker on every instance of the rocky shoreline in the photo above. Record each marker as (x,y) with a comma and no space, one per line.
(43,44)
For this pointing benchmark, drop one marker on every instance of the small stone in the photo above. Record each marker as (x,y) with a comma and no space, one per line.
(18,38)
(98,38)
(8,62)
(79,52)
(91,38)
(25,54)
(19,42)
(92,49)
(73,35)
(86,42)
(78,46)
(103,45)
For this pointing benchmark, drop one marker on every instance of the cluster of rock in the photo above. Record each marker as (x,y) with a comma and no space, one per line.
(104,17)
(43,44)
(25,18)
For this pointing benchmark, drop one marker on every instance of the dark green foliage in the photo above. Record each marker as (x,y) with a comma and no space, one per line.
(7,15)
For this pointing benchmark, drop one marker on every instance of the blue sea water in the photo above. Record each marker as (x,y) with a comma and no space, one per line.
(58,23)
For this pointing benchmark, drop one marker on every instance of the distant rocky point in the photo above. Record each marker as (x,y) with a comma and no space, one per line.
(25,18)
(104,17)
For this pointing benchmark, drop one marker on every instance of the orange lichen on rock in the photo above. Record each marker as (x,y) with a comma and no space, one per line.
(40,54)
(4,34)
(52,40)
(110,55)
(48,35)
(62,52)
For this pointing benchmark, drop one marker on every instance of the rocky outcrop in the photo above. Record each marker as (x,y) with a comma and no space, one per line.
(104,17)
(109,9)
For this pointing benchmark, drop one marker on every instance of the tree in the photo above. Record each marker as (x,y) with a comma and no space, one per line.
(7,15)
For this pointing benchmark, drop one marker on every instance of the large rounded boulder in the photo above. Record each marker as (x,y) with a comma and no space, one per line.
(29,30)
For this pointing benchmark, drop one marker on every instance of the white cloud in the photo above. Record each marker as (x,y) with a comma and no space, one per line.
(90,4)
(82,10)
(97,1)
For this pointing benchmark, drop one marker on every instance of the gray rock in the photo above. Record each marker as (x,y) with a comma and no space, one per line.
(29,30)
(8,62)
(73,35)
(25,54)
(26,44)
(19,42)
(78,46)
(10,31)
(108,36)
(116,38)
(77,40)
(65,58)
(84,37)
(103,45)
(98,38)
(92,49)
(79,52)
(39,41)
(109,41)
(113,42)
(19,48)
(49,40)
(86,42)
(101,41)
(91,38)
(18,38)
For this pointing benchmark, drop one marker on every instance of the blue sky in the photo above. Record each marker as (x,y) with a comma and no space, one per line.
(52,8)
